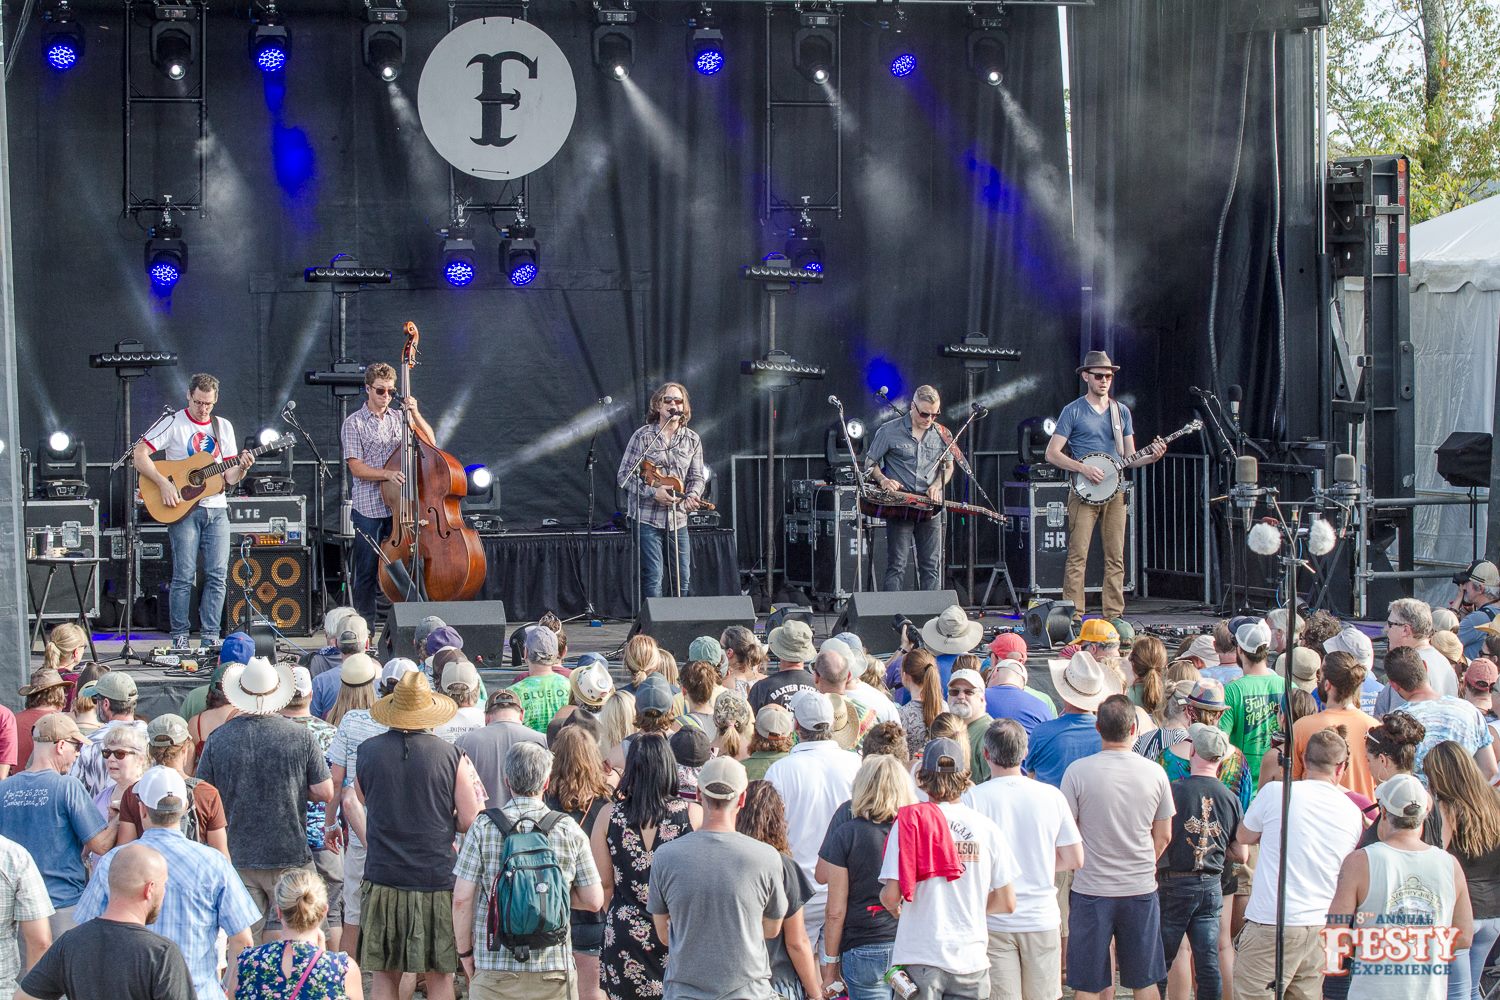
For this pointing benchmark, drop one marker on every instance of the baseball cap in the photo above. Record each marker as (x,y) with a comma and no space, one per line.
(238,647)
(690,746)
(1443,619)
(1402,795)
(116,685)
(503,698)
(853,641)
(1482,671)
(424,628)
(1209,742)
(812,710)
(302,681)
(167,731)
(722,778)
(461,672)
(653,695)
(160,783)
(1305,664)
(1486,574)
(395,668)
(359,668)
(943,756)
(1354,642)
(541,644)
(971,676)
(1009,646)
(1253,637)
(56,727)
(773,720)
(834,644)
(1098,630)
(443,635)
(1202,649)
(707,649)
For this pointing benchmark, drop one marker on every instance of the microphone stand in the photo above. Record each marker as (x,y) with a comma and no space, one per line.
(132,520)
(588,533)
(323,473)
(887,401)
(859,498)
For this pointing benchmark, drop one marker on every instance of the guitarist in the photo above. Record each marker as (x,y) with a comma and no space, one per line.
(1096,423)
(189,432)
(661,518)
(909,454)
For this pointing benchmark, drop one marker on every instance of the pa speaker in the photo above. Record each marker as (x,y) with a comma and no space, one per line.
(1049,624)
(870,614)
(271,582)
(481,623)
(1463,459)
(674,622)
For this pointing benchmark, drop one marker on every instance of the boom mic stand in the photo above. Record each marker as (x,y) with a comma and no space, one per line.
(859,497)
(322,474)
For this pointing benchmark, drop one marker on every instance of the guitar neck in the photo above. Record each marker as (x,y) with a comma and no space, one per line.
(1166,440)
(220,467)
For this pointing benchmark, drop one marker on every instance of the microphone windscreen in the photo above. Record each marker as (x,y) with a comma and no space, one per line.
(1236,394)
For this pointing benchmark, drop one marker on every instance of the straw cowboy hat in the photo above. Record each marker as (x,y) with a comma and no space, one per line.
(413,705)
(261,687)
(1082,682)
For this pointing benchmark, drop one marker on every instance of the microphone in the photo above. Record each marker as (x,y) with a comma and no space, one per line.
(1246,490)
(606,400)
(979,409)
(1236,395)
(289,406)
(834,401)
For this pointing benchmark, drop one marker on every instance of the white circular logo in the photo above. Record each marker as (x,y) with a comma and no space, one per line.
(497,98)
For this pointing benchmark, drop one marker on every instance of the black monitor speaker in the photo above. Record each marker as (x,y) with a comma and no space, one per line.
(1463,459)
(870,614)
(481,623)
(1049,624)
(674,622)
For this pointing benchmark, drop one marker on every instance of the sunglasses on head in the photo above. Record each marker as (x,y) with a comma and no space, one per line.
(1483,686)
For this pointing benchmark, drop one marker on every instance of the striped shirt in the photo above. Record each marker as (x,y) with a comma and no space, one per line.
(355,727)
(204,895)
(23,896)
(479,863)
(681,457)
(372,440)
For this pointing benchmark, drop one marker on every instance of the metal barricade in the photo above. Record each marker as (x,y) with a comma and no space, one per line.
(1176,531)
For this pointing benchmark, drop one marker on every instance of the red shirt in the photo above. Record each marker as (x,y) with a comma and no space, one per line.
(25,722)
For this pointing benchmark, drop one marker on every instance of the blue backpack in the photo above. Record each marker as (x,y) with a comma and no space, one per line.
(529,899)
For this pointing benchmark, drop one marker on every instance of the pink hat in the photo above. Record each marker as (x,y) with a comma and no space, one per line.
(1008,646)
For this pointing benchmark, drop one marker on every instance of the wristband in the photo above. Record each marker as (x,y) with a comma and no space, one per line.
(466,954)
(826,960)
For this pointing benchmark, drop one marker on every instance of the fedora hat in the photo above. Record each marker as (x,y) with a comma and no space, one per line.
(1097,359)
(413,705)
(261,687)
(952,632)
(1082,682)
(43,679)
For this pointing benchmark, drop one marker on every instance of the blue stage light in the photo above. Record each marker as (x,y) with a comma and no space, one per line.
(523,273)
(270,55)
(709,62)
(62,37)
(816,266)
(164,274)
(904,64)
(520,255)
(166,254)
(706,45)
(458,273)
(62,55)
(458,254)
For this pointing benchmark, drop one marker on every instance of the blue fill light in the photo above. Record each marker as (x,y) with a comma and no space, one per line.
(62,54)
(459,273)
(815,266)
(270,56)
(904,64)
(709,62)
(523,273)
(164,275)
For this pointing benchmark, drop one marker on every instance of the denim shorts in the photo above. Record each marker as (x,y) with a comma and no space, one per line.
(1133,923)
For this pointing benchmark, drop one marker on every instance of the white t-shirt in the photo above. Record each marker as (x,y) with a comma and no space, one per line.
(871,700)
(813,781)
(1440,673)
(1325,827)
(182,436)
(942,924)
(1035,821)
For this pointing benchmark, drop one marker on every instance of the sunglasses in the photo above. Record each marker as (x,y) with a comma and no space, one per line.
(117,754)
(1102,376)
(930,416)
(1391,624)
(381,391)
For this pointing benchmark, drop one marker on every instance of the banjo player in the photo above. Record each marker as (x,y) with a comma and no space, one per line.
(1095,423)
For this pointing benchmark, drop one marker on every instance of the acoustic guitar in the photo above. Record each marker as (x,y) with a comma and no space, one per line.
(196,477)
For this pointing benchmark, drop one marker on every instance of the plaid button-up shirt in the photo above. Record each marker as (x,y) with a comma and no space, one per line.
(372,440)
(23,896)
(681,457)
(479,862)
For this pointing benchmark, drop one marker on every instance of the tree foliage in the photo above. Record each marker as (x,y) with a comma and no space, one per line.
(1419,77)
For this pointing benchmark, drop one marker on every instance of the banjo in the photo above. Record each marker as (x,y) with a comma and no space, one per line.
(1100,493)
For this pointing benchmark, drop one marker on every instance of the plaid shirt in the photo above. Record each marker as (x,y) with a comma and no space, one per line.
(372,440)
(682,457)
(204,895)
(479,862)
(23,896)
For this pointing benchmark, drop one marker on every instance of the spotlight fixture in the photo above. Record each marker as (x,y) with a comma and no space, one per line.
(166,252)
(62,37)
(480,498)
(1032,436)
(779,370)
(706,43)
(815,45)
(459,268)
(519,254)
(614,41)
(383,40)
(899,56)
(986,49)
(270,43)
(60,464)
(804,245)
(174,41)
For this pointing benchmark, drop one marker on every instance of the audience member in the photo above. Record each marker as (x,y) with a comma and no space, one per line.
(1008,697)
(168,746)
(640,660)
(237,648)
(734,726)
(922,682)
(1171,721)
(1358,645)
(356,698)
(772,741)
(579,787)
(488,746)
(1443,717)
(115,694)
(543,691)
(794,973)
(1250,701)
(353,641)
(327,859)
(1082,685)
(1218,654)
(966,701)
(1408,625)
(792,645)
(299,964)
(1480,597)
(746,659)
(1478,688)
(1391,749)
(1341,678)
(461,683)
(1471,817)
(47,693)
(24,913)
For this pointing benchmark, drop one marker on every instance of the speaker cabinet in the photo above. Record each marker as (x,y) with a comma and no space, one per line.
(481,623)
(273,581)
(1049,624)
(674,622)
(1463,459)
(869,614)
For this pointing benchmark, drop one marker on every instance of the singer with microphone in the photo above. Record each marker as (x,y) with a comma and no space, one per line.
(1095,423)
(370,435)
(911,455)
(659,512)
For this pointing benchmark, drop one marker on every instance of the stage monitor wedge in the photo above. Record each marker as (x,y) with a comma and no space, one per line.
(481,623)
(869,615)
(674,622)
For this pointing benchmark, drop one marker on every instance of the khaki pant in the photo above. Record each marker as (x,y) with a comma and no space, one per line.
(1025,966)
(261,884)
(1255,962)
(354,874)
(523,985)
(1063,882)
(1111,521)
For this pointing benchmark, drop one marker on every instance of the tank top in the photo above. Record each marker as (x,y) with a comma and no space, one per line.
(1407,889)
(408,780)
(1483,875)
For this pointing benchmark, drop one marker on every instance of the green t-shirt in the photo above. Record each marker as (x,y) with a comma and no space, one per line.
(1250,720)
(541,697)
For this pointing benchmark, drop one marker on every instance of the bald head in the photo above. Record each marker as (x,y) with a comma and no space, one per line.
(137,881)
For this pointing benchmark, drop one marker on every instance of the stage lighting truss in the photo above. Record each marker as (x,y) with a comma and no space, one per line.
(706,43)
(779,370)
(459,261)
(804,245)
(614,41)
(174,38)
(383,39)
(270,42)
(520,256)
(985,48)
(815,45)
(62,37)
(166,252)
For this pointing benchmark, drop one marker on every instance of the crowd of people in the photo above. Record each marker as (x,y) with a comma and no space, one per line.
(780,819)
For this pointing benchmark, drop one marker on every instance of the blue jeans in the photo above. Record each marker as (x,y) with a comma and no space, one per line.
(862,968)
(205,529)
(1191,906)
(1485,934)
(364,564)
(656,551)
(899,537)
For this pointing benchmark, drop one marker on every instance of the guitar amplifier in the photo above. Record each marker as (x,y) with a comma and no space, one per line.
(73,525)
(1036,544)
(267,520)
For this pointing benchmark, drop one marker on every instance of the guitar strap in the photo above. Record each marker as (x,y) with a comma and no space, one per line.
(1118,426)
(219,437)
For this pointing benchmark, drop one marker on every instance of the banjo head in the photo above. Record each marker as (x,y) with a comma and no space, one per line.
(1105,490)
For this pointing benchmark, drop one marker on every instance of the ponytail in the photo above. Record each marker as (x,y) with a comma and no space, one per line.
(65,639)
(922,668)
(1148,658)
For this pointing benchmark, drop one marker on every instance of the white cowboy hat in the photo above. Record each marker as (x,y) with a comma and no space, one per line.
(261,688)
(1082,682)
(951,632)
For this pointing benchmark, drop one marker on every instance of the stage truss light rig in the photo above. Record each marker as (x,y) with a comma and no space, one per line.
(383,39)
(270,42)
(520,255)
(985,47)
(614,40)
(62,37)
(459,268)
(706,43)
(815,45)
(899,56)
(166,252)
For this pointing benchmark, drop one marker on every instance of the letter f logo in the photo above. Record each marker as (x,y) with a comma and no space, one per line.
(493,98)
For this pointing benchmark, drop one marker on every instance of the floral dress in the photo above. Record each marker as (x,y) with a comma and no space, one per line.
(633,962)
(261,978)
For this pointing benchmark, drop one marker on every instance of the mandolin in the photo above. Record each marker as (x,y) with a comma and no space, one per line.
(195,477)
(654,478)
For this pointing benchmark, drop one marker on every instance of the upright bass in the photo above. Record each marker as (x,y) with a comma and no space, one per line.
(440,557)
